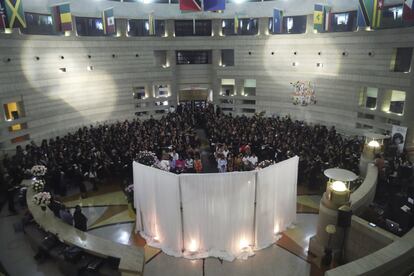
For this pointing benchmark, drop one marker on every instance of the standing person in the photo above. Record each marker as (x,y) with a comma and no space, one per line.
(10,193)
(92,177)
(80,219)
(222,164)
(230,162)
(198,166)
(189,164)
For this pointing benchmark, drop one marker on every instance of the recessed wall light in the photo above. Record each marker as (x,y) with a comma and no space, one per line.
(344,54)
(62,70)
(90,68)
(320,65)
(294,63)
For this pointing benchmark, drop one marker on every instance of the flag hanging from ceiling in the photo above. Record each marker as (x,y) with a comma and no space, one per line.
(328,18)
(318,18)
(108,20)
(2,19)
(362,20)
(378,5)
(277,21)
(151,24)
(408,10)
(190,5)
(62,17)
(214,5)
(370,13)
(14,13)
(236,24)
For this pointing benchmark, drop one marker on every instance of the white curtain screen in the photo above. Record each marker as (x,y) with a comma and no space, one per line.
(157,200)
(218,217)
(218,214)
(276,200)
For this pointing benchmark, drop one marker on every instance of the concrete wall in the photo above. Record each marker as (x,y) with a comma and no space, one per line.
(55,102)
(363,239)
(394,259)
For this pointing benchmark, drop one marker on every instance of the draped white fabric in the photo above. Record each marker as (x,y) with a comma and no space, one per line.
(275,200)
(157,199)
(218,214)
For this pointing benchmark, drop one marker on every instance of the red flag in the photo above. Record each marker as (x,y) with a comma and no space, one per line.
(408,13)
(190,5)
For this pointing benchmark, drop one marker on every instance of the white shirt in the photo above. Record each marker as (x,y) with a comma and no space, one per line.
(165,165)
(174,156)
(253,160)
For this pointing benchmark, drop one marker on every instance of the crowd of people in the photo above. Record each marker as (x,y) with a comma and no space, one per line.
(241,143)
(237,142)
(106,150)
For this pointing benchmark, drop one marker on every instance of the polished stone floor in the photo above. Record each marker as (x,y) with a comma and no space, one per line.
(109,217)
(272,261)
(16,255)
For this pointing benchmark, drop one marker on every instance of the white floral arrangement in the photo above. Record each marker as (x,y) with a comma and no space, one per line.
(146,158)
(264,164)
(38,185)
(38,170)
(42,199)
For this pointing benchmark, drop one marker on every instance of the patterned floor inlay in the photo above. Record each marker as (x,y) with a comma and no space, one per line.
(109,216)
(102,189)
(113,215)
(290,245)
(111,198)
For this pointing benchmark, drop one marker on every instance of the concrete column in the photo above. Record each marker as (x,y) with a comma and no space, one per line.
(121,27)
(264,26)
(170,28)
(327,215)
(173,85)
(215,81)
(216,27)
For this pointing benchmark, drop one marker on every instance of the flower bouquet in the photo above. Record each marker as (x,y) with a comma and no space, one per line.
(42,199)
(147,158)
(264,164)
(38,170)
(38,185)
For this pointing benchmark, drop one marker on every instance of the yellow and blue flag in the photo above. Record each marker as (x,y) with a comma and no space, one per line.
(318,18)
(62,17)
